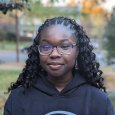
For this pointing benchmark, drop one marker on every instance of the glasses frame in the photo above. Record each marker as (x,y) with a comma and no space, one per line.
(57,48)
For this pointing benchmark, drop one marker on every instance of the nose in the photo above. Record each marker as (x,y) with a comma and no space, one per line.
(55,53)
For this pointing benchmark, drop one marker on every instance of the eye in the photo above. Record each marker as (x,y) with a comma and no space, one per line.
(45,47)
(65,47)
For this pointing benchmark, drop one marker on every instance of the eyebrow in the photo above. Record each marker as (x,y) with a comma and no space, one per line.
(45,40)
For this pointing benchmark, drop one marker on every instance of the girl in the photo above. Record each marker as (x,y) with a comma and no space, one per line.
(61,76)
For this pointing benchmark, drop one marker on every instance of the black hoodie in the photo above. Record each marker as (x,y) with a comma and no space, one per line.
(77,98)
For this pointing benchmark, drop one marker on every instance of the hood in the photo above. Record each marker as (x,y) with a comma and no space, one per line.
(45,86)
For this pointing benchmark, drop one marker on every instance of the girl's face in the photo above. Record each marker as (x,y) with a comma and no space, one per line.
(57,63)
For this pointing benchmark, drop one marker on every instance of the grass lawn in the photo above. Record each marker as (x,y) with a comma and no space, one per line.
(7,45)
(6,77)
(113,101)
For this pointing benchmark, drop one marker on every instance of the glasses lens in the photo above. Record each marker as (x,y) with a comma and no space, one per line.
(62,49)
(65,49)
(45,49)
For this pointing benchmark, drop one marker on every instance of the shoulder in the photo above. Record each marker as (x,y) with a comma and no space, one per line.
(14,97)
(100,99)
(18,90)
(97,93)
(98,96)
(17,93)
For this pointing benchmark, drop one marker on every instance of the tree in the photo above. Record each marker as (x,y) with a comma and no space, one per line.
(92,6)
(10,5)
(72,3)
(94,18)
(110,35)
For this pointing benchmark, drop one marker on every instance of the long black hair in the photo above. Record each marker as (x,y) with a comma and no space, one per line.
(88,67)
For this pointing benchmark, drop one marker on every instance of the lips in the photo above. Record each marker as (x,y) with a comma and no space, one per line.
(55,65)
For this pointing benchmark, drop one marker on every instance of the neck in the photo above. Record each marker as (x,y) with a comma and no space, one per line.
(60,82)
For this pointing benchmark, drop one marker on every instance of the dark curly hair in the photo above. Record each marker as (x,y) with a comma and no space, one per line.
(86,60)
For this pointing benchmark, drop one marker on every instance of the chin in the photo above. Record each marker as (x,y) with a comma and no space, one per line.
(55,73)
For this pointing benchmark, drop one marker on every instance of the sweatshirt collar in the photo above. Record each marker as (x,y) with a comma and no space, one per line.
(45,86)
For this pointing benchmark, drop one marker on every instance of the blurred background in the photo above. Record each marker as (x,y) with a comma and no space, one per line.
(20,20)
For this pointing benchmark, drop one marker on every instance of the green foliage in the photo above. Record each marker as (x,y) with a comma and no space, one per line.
(110,35)
(9,5)
(38,10)
(6,35)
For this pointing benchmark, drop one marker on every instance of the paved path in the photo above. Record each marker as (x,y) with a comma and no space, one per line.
(12,66)
(10,56)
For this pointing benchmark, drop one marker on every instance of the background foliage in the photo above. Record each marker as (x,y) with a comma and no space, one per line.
(110,35)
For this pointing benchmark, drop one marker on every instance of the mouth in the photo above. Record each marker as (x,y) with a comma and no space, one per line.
(55,66)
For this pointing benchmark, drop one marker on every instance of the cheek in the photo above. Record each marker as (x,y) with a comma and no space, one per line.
(72,58)
(70,61)
(43,60)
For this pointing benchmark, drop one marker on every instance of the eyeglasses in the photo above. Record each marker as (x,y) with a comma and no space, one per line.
(62,49)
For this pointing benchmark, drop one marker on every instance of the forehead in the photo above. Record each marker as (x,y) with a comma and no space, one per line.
(57,32)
